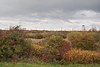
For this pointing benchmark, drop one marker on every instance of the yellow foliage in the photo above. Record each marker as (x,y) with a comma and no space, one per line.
(37,48)
(82,56)
(29,34)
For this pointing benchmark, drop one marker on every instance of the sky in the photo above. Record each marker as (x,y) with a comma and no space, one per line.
(50,14)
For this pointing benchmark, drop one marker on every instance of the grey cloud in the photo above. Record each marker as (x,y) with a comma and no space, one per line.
(15,7)
(47,12)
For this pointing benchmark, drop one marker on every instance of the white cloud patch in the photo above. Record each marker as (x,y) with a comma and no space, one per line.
(53,20)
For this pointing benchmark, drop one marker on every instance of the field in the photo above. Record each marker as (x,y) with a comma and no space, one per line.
(41,48)
(46,65)
(49,33)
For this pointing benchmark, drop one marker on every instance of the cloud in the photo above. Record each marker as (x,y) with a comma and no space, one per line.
(49,14)
(86,13)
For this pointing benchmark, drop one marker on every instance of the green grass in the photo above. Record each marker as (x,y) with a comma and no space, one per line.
(46,65)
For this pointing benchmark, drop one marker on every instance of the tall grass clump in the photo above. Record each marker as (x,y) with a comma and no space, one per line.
(82,56)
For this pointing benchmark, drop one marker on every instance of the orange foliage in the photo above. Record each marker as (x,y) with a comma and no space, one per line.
(82,56)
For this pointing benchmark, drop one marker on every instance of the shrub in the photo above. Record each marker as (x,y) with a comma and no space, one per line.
(37,49)
(45,34)
(55,48)
(12,42)
(83,40)
(53,44)
(97,37)
(33,53)
(38,36)
(34,35)
(82,56)
(29,35)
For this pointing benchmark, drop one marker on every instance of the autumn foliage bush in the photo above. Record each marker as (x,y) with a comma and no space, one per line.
(37,49)
(78,47)
(82,56)
(12,43)
(38,36)
(55,46)
(82,40)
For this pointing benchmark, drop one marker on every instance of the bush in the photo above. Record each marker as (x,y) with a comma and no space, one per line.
(83,40)
(37,49)
(97,37)
(38,36)
(12,42)
(55,48)
(82,56)
(45,34)
(34,35)
(29,35)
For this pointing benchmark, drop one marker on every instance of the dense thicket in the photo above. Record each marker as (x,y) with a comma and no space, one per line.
(75,47)
(12,43)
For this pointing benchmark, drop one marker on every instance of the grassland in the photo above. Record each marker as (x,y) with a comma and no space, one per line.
(46,65)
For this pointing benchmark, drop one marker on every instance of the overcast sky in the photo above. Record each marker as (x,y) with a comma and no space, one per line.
(50,14)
